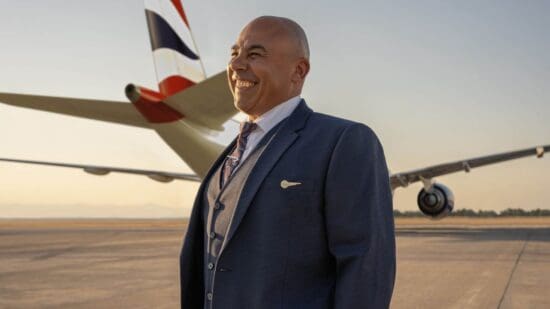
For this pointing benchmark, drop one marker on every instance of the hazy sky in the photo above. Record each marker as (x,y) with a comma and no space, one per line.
(436,80)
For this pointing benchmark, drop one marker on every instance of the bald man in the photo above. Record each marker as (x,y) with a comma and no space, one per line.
(297,211)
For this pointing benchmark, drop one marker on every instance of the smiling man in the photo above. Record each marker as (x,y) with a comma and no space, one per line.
(297,211)
(277,55)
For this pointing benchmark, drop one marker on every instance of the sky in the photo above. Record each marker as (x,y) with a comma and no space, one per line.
(437,81)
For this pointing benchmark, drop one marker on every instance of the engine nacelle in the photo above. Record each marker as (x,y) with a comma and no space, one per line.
(437,202)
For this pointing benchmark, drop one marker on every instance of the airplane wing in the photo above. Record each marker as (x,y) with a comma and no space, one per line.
(110,111)
(104,170)
(405,178)
(208,103)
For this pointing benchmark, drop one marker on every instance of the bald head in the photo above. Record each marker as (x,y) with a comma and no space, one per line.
(286,28)
(269,63)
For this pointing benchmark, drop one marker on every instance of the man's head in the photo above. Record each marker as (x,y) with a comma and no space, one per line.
(269,63)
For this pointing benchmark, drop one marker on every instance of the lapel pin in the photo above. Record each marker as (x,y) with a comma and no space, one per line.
(285,184)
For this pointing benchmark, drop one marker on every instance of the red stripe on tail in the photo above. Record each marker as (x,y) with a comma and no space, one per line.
(150,105)
(174,84)
(179,7)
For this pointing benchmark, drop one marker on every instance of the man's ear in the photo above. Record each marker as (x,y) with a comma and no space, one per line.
(301,70)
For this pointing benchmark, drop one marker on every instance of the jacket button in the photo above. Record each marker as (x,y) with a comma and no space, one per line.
(218,206)
(212,235)
(210,265)
(209,296)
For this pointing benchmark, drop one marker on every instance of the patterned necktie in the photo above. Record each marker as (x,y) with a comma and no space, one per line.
(233,160)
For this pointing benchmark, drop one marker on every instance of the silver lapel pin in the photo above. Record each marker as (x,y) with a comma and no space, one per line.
(285,184)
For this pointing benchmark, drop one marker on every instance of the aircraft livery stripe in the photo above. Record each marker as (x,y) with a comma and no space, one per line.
(151,106)
(163,36)
(179,8)
(169,62)
(174,84)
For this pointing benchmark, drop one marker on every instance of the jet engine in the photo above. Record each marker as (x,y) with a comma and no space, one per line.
(436,202)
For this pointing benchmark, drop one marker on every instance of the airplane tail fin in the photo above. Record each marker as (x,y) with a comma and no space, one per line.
(177,62)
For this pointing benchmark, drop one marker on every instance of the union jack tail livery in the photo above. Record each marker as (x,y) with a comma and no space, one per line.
(176,57)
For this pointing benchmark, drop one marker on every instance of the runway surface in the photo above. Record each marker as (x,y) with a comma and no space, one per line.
(134,263)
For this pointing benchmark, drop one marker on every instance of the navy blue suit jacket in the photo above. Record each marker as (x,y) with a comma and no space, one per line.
(326,243)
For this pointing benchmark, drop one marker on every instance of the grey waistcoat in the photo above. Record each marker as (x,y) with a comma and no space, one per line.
(219,207)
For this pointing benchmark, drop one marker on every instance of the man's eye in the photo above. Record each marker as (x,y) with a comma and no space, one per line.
(253,55)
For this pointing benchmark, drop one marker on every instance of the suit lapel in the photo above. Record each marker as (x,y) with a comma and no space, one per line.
(273,152)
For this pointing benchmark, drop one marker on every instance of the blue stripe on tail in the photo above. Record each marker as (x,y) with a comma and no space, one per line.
(163,36)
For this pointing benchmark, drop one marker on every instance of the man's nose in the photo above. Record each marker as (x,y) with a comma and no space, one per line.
(237,63)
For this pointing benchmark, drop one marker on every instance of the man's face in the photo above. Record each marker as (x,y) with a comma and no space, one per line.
(261,68)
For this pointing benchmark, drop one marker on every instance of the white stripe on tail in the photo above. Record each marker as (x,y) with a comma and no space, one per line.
(176,57)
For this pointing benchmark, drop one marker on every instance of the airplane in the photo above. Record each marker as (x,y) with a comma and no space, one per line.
(189,108)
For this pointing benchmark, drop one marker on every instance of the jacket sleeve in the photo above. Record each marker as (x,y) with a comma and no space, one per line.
(359,220)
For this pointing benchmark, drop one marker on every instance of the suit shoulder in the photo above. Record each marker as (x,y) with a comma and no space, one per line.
(336,124)
(329,121)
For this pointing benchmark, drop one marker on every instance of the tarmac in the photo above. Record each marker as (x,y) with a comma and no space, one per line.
(134,264)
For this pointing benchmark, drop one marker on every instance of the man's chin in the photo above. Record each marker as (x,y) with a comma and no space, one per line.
(244,106)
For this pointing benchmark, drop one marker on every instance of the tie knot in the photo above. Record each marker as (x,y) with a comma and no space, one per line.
(247,128)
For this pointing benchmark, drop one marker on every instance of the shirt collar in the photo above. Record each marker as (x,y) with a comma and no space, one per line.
(272,117)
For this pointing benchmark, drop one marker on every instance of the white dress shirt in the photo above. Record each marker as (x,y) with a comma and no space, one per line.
(267,121)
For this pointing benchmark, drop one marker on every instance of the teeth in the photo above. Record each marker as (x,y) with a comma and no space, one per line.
(244,84)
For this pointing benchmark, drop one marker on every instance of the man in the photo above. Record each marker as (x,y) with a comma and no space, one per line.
(297,212)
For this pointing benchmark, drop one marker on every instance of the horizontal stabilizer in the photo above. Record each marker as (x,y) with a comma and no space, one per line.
(209,103)
(104,170)
(110,111)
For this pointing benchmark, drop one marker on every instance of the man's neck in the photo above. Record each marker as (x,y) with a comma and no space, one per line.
(270,118)
(256,117)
